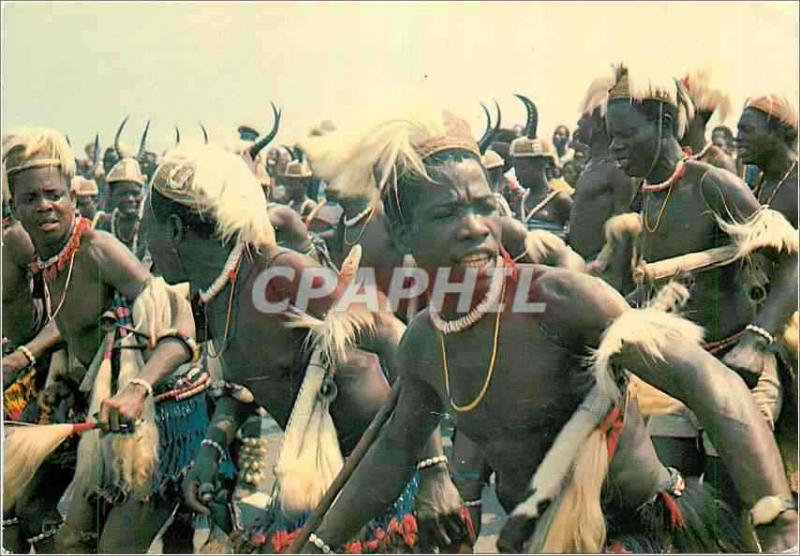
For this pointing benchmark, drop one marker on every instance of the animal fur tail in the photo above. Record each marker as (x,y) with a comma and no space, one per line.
(542,247)
(338,332)
(765,228)
(617,228)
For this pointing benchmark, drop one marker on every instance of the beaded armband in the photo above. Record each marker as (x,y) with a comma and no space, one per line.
(188,342)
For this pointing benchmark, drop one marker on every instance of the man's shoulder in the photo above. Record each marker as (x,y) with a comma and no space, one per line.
(720,188)
(103,222)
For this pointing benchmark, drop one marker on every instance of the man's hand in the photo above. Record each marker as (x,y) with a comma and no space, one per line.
(201,483)
(438,507)
(13,364)
(750,358)
(123,409)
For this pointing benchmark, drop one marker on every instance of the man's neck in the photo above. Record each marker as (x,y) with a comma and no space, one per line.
(664,166)
(537,185)
(598,148)
(778,164)
(208,259)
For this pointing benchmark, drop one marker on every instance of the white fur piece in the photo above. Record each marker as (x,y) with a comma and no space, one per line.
(310,457)
(705,97)
(671,298)
(541,246)
(358,162)
(765,228)
(549,478)
(350,265)
(616,228)
(338,332)
(650,330)
(766,510)
(223,186)
(30,143)
(596,96)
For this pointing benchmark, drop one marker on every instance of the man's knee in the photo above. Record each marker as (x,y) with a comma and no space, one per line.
(72,541)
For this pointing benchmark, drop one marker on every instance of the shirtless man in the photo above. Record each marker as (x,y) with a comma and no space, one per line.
(540,207)
(297,179)
(511,409)
(80,269)
(125,182)
(689,207)
(603,190)
(261,354)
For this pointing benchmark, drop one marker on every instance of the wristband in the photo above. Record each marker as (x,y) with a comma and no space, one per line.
(761,332)
(28,355)
(185,339)
(319,543)
(216,445)
(144,384)
(430,462)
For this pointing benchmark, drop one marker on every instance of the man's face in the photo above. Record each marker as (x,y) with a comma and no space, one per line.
(109,159)
(126,196)
(719,139)
(634,138)
(296,187)
(87,205)
(162,247)
(456,219)
(528,168)
(755,144)
(43,205)
(560,136)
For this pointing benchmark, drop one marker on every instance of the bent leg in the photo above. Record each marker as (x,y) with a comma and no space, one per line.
(132,526)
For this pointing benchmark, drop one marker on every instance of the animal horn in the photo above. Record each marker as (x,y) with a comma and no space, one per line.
(486,138)
(205,132)
(499,118)
(177,135)
(264,141)
(289,150)
(66,136)
(533,116)
(143,142)
(96,162)
(119,132)
(298,153)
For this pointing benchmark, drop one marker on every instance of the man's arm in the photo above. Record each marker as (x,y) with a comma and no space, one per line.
(552,253)
(290,228)
(120,269)
(733,202)
(48,339)
(388,465)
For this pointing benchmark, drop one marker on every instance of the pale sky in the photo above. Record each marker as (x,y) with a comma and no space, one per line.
(80,67)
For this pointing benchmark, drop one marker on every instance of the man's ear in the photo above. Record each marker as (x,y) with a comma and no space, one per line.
(668,122)
(177,230)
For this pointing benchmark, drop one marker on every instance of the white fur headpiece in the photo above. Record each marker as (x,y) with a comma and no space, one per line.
(705,97)
(596,96)
(211,180)
(642,85)
(26,148)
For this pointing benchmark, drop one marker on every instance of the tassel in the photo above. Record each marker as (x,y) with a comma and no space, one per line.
(675,514)
(25,448)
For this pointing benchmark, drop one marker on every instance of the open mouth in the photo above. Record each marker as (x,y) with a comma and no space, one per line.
(480,261)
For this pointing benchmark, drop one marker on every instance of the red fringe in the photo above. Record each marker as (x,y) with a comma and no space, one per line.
(51,271)
(675,515)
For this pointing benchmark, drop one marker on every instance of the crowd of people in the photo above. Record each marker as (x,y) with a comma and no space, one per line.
(605,323)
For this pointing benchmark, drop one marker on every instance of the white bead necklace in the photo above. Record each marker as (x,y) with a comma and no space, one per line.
(225,276)
(350,222)
(462,323)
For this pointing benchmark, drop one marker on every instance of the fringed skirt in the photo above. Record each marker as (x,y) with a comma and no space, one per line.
(395,532)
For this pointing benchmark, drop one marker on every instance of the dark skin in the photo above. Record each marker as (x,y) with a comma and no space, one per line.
(267,357)
(718,302)
(531,173)
(773,150)
(602,191)
(87,205)
(43,206)
(561,139)
(290,231)
(296,189)
(695,138)
(525,406)
(18,310)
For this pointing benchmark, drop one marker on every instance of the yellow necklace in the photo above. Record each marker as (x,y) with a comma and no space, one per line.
(363,228)
(660,212)
(474,403)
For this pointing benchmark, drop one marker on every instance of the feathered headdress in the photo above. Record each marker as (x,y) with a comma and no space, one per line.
(705,97)
(358,164)
(776,106)
(596,96)
(26,148)
(213,181)
(640,86)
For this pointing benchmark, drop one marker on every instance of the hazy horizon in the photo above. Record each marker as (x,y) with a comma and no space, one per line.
(81,67)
